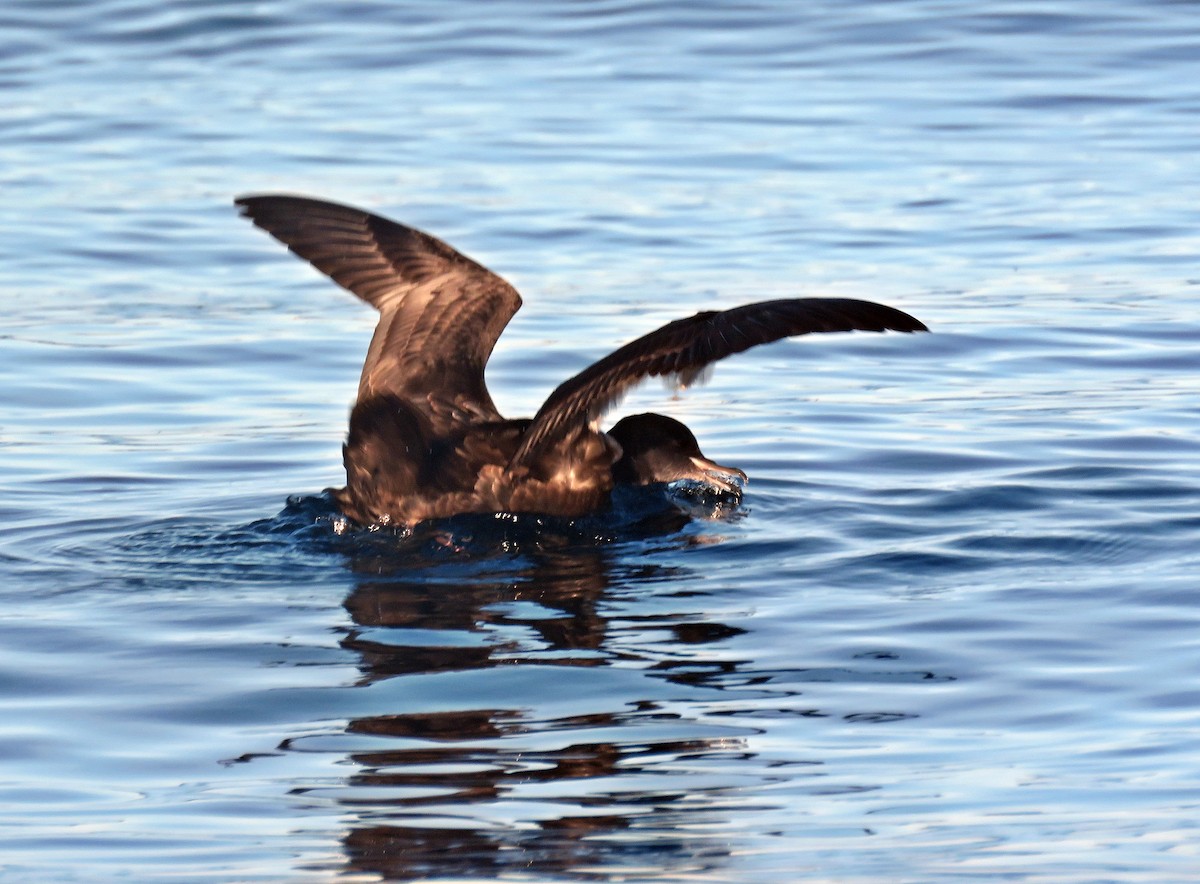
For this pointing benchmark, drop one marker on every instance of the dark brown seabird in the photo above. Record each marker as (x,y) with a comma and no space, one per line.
(425,440)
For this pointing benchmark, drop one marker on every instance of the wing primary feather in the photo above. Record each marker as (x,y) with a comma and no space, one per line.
(685,347)
(441,313)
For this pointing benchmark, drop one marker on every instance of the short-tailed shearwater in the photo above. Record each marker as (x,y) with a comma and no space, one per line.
(425,440)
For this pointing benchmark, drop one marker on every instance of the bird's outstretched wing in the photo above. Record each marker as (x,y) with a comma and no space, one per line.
(685,347)
(440,313)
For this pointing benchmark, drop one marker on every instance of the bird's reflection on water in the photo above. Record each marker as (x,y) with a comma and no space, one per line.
(517,697)
(559,773)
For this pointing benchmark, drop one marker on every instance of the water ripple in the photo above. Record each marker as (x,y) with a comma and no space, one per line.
(949,631)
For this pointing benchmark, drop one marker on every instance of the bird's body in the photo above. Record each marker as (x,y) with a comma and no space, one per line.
(398,470)
(425,439)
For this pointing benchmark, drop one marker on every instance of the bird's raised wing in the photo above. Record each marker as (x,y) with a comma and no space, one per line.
(683,349)
(440,313)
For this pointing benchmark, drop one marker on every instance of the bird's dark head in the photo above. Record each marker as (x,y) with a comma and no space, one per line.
(655,448)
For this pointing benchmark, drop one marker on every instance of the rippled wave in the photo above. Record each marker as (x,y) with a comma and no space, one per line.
(949,630)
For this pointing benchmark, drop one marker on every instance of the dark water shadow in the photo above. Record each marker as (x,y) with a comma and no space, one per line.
(539,698)
(509,770)
(528,698)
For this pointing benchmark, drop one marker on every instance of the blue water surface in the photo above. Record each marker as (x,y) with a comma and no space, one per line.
(951,633)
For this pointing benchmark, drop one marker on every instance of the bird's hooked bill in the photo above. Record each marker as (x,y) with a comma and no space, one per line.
(727,479)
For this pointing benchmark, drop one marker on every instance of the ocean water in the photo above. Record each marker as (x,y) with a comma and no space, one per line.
(951,633)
